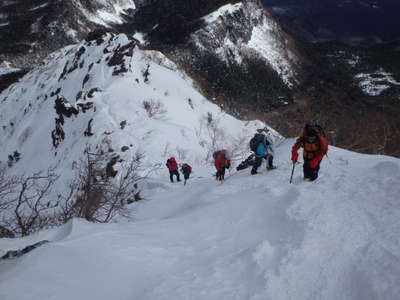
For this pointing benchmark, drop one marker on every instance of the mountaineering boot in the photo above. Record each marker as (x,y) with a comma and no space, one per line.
(271,167)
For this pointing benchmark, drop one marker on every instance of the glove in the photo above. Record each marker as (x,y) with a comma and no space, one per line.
(314,162)
(295,156)
(228,165)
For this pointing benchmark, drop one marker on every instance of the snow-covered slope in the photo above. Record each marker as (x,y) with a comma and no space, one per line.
(255,237)
(110,81)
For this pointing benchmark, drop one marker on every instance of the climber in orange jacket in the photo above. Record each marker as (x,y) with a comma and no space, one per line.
(315,147)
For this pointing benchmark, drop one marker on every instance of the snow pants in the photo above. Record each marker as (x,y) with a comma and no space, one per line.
(221,174)
(258,162)
(186,175)
(310,173)
(171,175)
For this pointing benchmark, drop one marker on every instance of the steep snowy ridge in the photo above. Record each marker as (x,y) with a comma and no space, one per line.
(252,238)
(45,26)
(258,34)
(110,80)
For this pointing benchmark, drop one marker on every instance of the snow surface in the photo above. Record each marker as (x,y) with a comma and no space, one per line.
(254,237)
(374,84)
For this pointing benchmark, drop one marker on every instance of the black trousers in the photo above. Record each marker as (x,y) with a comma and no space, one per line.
(310,173)
(186,175)
(172,173)
(221,174)
(258,162)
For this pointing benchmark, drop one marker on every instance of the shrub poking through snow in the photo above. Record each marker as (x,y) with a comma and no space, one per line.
(155,109)
(24,206)
(99,196)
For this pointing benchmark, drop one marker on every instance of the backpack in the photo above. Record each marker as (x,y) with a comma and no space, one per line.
(186,168)
(256,139)
(312,126)
(219,153)
(323,142)
(171,163)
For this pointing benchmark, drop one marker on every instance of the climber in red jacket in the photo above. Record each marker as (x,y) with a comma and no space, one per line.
(221,163)
(173,169)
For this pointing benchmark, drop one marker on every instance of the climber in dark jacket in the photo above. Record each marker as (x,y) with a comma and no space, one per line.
(186,170)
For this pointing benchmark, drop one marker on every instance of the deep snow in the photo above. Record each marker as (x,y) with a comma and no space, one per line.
(254,237)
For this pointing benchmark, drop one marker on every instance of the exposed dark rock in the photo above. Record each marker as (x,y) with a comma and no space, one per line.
(88,132)
(117,60)
(146,73)
(110,171)
(64,108)
(13,158)
(85,106)
(18,253)
(124,148)
(79,95)
(92,92)
(96,35)
(10,78)
(6,233)
(123,124)
(85,80)
(58,135)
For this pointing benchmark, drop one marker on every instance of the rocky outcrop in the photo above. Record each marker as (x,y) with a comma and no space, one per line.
(6,233)
(18,253)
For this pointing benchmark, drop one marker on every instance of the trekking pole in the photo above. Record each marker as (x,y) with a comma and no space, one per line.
(291,177)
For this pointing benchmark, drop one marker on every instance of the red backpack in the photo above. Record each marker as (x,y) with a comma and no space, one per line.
(171,164)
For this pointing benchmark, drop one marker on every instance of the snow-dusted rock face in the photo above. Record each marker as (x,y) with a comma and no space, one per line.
(109,93)
(244,29)
(241,57)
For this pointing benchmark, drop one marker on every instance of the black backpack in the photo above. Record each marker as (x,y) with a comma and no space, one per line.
(314,127)
(256,139)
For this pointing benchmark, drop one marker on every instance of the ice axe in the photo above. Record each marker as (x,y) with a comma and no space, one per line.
(291,176)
